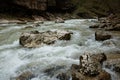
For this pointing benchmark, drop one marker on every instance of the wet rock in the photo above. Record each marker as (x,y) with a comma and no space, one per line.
(63,76)
(103,75)
(38,23)
(29,27)
(52,71)
(22,22)
(117,68)
(103,25)
(114,28)
(36,39)
(91,64)
(75,66)
(94,26)
(59,20)
(25,76)
(108,43)
(99,57)
(90,68)
(101,35)
(113,64)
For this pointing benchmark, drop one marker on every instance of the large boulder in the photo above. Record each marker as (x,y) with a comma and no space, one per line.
(36,39)
(90,68)
(101,35)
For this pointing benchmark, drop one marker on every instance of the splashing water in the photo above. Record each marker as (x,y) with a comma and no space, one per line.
(15,59)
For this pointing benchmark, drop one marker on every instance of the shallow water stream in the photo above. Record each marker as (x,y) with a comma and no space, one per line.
(14,59)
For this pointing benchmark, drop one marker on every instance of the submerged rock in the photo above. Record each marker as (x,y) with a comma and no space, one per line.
(108,43)
(113,61)
(113,65)
(36,39)
(25,76)
(90,68)
(101,35)
(63,76)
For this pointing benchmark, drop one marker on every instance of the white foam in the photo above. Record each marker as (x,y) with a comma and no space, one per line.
(14,59)
(6,46)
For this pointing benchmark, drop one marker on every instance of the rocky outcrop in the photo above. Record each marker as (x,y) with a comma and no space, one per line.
(93,8)
(33,4)
(90,68)
(79,8)
(42,5)
(101,35)
(110,23)
(36,39)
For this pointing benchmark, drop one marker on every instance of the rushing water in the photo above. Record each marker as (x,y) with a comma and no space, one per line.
(14,59)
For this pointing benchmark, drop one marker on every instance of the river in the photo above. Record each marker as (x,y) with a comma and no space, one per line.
(14,59)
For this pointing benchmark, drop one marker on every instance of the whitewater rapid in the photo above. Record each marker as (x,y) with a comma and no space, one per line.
(14,59)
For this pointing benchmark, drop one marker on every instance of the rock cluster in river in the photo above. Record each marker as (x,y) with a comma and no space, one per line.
(110,23)
(36,38)
(90,68)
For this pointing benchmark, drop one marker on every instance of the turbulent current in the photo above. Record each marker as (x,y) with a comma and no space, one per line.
(14,59)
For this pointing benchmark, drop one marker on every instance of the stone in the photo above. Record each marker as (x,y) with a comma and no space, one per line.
(102,25)
(91,64)
(90,68)
(25,76)
(38,22)
(108,43)
(114,28)
(101,35)
(22,22)
(110,23)
(101,57)
(103,75)
(63,76)
(113,64)
(94,26)
(59,20)
(55,71)
(36,39)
